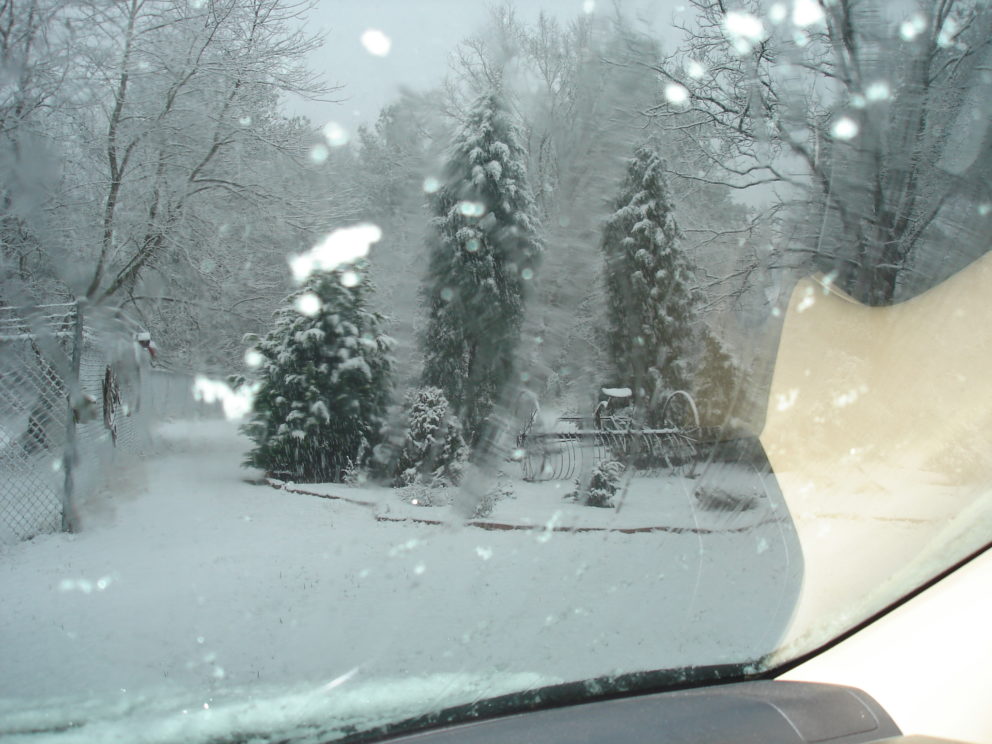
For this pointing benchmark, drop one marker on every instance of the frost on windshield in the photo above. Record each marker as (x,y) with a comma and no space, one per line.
(330,373)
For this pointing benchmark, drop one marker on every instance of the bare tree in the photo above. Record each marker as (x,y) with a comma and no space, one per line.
(848,110)
(146,163)
(191,93)
(34,50)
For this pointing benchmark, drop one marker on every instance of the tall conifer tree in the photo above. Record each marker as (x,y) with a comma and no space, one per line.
(484,248)
(649,285)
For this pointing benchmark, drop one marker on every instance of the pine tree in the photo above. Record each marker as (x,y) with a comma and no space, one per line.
(325,379)
(432,447)
(484,248)
(650,300)
(720,384)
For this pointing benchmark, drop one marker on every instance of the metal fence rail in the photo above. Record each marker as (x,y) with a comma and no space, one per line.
(70,399)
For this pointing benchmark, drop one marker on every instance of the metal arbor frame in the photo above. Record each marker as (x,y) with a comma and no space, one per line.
(579,443)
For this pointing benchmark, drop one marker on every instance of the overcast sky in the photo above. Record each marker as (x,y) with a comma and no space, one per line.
(422,33)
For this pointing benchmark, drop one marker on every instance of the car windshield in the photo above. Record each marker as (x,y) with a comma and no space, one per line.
(364,366)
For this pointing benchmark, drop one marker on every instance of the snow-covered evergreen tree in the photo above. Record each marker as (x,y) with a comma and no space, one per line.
(325,382)
(720,385)
(432,447)
(650,299)
(484,249)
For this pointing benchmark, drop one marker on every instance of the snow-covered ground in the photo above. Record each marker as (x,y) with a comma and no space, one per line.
(644,504)
(194,602)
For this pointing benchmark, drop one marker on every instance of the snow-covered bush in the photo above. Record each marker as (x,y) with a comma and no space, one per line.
(355,472)
(325,379)
(432,448)
(603,485)
(500,490)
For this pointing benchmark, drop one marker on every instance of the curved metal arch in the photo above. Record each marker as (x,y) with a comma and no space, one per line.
(692,407)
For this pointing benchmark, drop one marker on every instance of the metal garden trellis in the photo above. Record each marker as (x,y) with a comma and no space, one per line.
(580,442)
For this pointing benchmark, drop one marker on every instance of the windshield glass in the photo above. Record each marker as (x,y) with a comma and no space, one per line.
(360,363)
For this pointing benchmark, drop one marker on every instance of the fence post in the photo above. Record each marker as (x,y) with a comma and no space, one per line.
(70,520)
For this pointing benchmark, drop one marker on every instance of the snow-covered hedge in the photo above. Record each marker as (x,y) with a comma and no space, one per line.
(432,449)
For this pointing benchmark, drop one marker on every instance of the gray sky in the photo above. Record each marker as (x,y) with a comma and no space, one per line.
(422,33)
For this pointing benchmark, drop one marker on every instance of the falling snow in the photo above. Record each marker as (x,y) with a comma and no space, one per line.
(912,27)
(307,304)
(845,128)
(806,13)
(319,154)
(743,30)
(471,208)
(376,42)
(878,91)
(335,134)
(343,246)
(676,93)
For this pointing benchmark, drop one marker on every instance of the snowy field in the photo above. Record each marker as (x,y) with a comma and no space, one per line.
(195,603)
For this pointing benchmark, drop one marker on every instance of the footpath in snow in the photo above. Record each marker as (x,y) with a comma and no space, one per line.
(194,601)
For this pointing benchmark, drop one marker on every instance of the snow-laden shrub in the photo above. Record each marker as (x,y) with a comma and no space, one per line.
(500,490)
(324,383)
(355,471)
(432,450)
(603,485)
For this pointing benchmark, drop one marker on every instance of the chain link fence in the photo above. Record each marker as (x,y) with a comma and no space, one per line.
(35,358)
(71,398)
